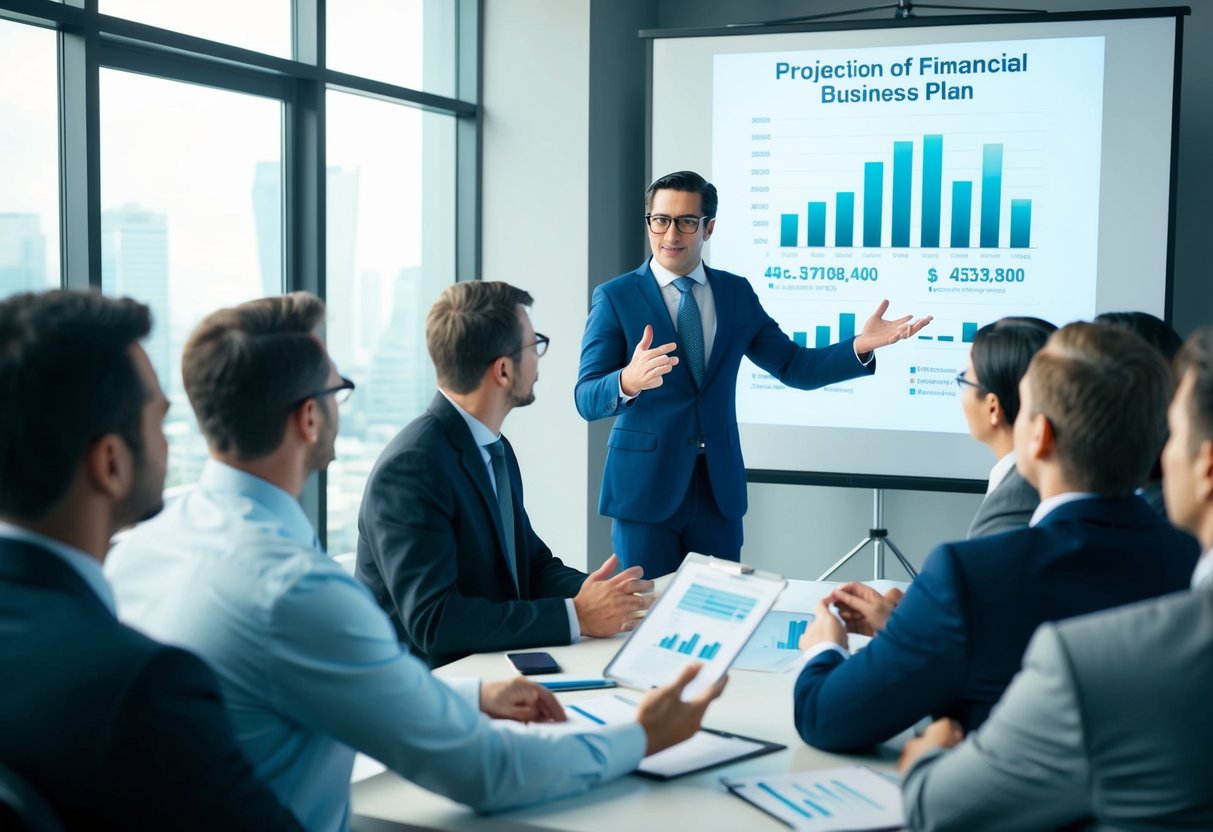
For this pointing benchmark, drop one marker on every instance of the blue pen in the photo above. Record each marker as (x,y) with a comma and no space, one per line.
(578,684)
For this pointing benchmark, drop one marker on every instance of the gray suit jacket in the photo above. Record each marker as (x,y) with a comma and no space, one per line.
(1110,723)
(1009,506)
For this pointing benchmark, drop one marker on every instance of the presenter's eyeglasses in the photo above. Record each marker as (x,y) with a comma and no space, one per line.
(540,344)
(341,393)
(660,223)
(962,382)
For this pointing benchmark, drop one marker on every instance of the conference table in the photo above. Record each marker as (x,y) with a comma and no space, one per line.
(754,704)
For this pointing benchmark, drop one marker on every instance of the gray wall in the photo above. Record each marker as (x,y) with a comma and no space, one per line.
(572,72)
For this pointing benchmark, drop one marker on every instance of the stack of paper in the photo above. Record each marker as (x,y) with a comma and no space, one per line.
(851,798)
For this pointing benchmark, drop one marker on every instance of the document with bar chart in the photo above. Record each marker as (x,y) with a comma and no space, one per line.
(851,798)
(706,614)
(959,180)
(775,645)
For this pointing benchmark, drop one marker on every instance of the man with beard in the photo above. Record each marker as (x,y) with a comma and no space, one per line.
(310,667)
(444,541)
(113,730)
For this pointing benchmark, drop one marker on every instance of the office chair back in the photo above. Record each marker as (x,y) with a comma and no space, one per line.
(21,807)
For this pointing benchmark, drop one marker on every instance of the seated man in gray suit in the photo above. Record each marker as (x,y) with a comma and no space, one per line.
(1109,722)
(444,540)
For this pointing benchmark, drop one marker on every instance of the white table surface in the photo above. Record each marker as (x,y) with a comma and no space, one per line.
(754,704)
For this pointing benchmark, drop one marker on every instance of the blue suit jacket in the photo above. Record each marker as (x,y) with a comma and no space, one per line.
(115,730)
(956,639)
(652,448)
(431,548)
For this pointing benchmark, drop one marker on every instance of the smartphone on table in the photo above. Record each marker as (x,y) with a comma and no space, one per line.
(533,664)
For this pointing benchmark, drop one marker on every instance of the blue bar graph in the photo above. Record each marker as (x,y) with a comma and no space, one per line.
(1021,223)
(932,188)
(991,194)
(669,642)
(903,174)
(873,190)
(968,330)
(687,647)
(962,213)
(823,337)
(846,327)
(788,229)
(709,651)
(844,219)
(801,338)
(716,603)
(945,338)
(817,224)
(795,631)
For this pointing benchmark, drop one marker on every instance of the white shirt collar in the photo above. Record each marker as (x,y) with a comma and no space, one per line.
(665,277)
(87,566)
(1000,470)
(482,434)
(1057,501)
(1203,573)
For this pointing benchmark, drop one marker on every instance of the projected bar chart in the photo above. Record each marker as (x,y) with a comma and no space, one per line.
(821,334)
(716,603)
(968,329)
(687,647)
(901,212)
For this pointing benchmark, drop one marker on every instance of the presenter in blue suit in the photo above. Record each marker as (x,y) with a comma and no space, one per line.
(674,479)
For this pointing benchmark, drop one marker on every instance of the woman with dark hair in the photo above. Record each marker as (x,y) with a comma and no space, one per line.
(989,396)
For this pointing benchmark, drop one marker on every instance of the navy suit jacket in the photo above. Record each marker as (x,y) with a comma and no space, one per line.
(431,548)
(652,448)
(115,731)
(956,639)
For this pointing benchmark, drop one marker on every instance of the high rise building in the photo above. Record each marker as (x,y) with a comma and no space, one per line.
(22,254)
(267,215)
(134,263)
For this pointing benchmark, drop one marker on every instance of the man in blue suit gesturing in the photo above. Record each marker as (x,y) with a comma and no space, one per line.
(674,479)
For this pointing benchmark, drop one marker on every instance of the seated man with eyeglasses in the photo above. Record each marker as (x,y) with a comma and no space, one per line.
(674,480)
(1091,422)
(444,541)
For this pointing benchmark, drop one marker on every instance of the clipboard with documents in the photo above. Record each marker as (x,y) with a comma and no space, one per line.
(706,614)
(845,799)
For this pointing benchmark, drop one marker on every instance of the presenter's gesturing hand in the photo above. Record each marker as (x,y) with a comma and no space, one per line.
(864,610)
(666,719)
(647,366)
(877,332)
(521,700)
(608,605)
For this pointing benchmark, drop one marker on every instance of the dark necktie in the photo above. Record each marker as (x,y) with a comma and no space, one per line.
(690,328)
(505,503)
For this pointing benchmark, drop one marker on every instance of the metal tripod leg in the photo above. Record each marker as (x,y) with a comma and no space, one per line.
(825,575)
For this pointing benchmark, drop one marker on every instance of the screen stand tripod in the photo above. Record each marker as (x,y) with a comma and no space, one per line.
(878,536)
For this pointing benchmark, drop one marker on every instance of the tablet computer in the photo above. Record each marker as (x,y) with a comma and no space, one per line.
(706,614)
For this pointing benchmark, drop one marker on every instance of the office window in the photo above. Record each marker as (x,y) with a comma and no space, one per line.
(409,43)
(29,161)
(260,25)
(190,218)
(390,244)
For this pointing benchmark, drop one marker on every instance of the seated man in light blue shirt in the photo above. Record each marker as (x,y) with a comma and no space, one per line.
(310,667)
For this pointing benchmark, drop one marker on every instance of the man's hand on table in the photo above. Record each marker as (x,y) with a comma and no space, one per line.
(609,605)
(864,610)
(521,700)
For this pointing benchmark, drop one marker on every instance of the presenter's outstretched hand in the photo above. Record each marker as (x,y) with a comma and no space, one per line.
(609,605)
(877,332)
(864,610)
(666,719)
(648,365)
(942,733)
(521,700)
(825,627)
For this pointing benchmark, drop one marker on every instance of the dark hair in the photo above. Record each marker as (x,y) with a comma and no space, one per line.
(470,326)
(1001,354)
(246,368)
(689,182)
(1157,332)
(66,380)
(1196,356)
(1105,391)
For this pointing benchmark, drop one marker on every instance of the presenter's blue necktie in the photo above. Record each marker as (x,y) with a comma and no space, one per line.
(505,503)
(690,328)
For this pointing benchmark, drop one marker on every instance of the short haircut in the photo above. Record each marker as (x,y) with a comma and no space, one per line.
(1196,357)
(247,368)
(686,181)
(66,380)
(1105,391)
(470,326)
(1001,354)
(1157,332)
